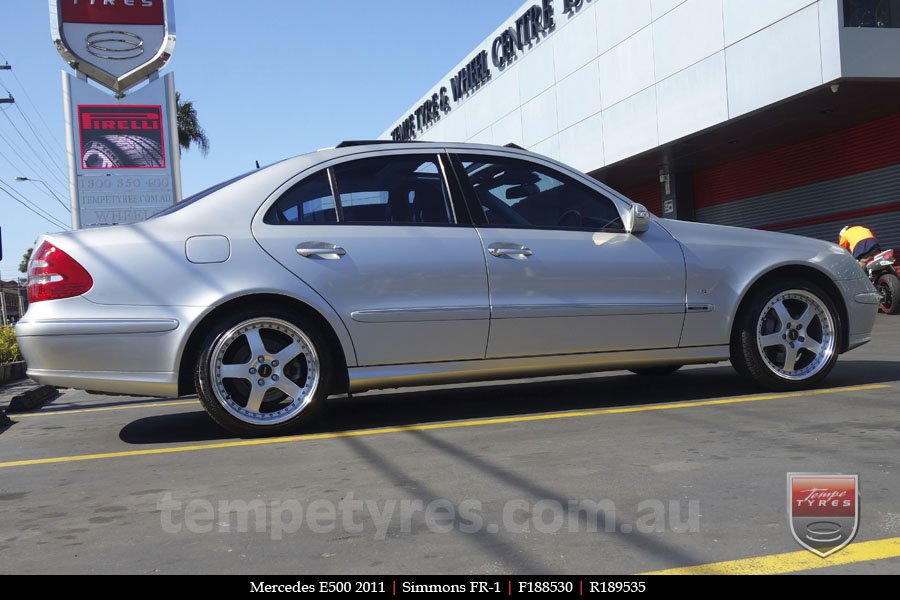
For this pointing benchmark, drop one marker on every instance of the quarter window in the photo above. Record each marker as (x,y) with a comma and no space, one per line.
(309,202)
(518,193)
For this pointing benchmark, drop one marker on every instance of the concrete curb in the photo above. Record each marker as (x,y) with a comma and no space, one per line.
(12,372)
(31,399)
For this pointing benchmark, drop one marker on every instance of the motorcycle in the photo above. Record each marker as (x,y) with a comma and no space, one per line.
(884,277)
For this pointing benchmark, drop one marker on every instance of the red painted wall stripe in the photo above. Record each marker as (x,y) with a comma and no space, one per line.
(647,194)
(845,217)
(851,151)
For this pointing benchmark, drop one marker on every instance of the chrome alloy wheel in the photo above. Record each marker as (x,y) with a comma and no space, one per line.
(795,335)
(265,371)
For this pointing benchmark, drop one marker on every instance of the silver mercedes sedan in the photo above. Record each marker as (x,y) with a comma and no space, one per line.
(382,265)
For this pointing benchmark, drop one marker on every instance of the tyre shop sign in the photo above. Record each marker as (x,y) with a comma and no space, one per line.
(122,160)
(530,27)
(117,43)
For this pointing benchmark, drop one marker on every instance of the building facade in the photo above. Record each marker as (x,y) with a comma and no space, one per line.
(773,114)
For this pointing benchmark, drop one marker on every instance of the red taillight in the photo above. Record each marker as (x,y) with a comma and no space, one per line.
(53,274)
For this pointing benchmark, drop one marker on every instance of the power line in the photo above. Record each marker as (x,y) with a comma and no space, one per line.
(28,97)
(28,143)
(33,151)
(18,169)
(51,194)
(36,136)
(49,220)
(44,211)
(29,166)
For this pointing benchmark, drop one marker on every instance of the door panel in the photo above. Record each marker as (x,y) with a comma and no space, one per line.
(584,292)
(406,294)
(564,275)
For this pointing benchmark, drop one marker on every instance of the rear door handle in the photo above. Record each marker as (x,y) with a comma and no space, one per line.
(516,251)
(320,250)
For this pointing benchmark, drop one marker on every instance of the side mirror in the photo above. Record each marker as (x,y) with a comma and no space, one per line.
(638,219)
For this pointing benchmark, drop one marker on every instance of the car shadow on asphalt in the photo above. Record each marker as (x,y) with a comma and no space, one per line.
(397,408)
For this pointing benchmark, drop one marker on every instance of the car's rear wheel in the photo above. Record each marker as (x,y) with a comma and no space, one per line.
(262,373)
(656,371)
(787,337)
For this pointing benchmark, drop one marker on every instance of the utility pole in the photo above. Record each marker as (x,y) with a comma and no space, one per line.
(10,100)
(3,303)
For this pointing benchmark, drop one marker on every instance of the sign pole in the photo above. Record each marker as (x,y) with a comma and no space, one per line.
(71,152)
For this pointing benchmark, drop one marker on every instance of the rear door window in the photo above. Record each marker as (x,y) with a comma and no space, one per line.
(393,189)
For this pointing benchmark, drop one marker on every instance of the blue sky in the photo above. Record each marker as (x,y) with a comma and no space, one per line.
(269,79)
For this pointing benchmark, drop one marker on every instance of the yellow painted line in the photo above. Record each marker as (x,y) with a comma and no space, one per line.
(438,426)
(791,562)
(75,411)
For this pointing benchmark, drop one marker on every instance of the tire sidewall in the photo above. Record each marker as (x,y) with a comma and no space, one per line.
(204,382)
(745,354)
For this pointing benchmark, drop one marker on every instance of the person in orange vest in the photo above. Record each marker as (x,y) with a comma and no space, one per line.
(860,241)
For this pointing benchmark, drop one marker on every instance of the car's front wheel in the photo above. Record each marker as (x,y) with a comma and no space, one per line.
(787,337)
(262,373)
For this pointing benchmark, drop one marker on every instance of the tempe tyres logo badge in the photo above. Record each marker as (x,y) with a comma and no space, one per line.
(823,510)
(117,43)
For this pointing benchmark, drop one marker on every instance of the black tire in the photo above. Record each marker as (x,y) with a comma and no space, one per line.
(656,371)
(117,151)
(889,287)
(222,397)
(751,323)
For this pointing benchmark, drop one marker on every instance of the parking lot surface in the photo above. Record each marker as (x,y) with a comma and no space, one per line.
(609,473)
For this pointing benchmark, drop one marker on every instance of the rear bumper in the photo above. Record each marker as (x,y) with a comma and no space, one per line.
(131,350)
(162,385)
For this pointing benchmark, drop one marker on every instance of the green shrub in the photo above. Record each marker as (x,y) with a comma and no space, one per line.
(9,349)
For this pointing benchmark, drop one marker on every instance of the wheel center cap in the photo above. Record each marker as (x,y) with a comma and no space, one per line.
(265,370)
(792,335)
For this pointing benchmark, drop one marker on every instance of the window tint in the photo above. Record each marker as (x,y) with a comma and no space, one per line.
(519,193)
(393,189)
(307,203)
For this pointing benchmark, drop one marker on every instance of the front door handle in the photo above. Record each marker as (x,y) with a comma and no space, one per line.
(320,250)
(516,251)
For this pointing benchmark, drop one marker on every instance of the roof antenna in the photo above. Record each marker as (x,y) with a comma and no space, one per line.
(257,164)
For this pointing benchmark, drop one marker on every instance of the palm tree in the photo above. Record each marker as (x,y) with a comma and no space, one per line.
(23,266)
(189,130)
